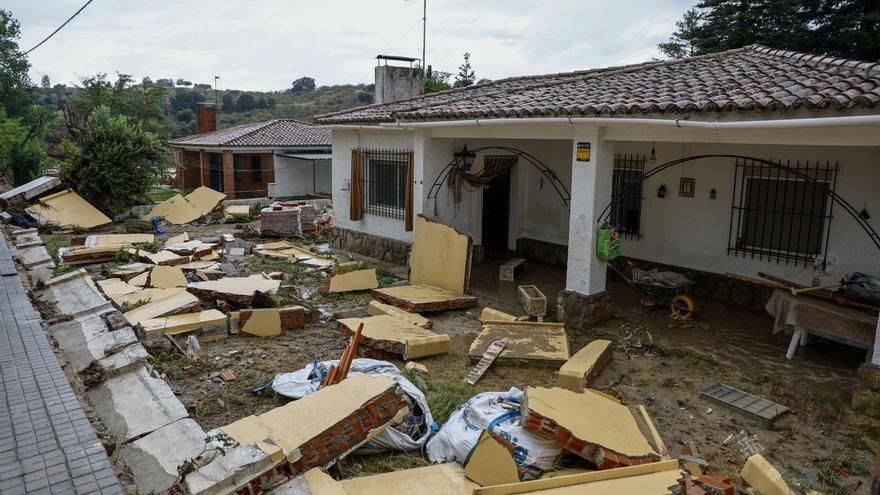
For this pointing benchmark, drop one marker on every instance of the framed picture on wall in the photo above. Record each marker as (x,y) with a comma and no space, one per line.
(687,186)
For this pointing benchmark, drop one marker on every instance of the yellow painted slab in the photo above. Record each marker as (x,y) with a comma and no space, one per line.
(162,307)
(116,287)
(177,239)
(176,210)
(422,294)
(419,342)
(293,424)
(263,323)
(542,343)
(166,277)
(440,479)
(69,209)
(140,280)
(145,295)
(162,258)
(240,286)
(204,199)
(118,239)
(354,281)
(274,246)
(376,308)
(237,210)
(592,418)
(490,463)
(760,474)
(491,314)
(571,374)
(440,256)
(172,325)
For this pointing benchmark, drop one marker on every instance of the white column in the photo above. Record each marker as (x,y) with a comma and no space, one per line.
(420,139)
(590,193)
(875,354)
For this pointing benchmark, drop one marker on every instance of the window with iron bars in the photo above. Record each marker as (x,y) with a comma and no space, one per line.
(627,194)
(384,182)
(779,215)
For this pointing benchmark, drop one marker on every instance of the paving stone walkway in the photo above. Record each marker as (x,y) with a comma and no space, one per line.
(47,444)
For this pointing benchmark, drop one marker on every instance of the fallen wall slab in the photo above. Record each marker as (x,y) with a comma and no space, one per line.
(580,371)
(154,458)
(390,335)
(544,344)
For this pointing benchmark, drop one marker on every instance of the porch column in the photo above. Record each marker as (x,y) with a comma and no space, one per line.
(875,353)
(584,300)
(204,172)
(228,175)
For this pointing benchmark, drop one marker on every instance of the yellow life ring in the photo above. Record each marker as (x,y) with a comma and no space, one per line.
(682,307)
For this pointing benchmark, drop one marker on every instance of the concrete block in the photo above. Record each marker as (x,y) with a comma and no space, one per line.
(135,403)
(760,474)
(126,359)
(579,372)
(229,472)
(33,255)
(153,459)
(85,340)
(40,274)
(74,294)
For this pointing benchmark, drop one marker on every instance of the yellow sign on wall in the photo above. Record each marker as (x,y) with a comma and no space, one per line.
(583,152)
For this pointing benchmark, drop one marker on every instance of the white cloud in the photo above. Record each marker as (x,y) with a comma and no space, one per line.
(267,44)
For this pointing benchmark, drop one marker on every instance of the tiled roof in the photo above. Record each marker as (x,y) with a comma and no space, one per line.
(280,133)
(754,78)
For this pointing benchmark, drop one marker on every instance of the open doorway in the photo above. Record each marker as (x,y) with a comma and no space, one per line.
(215,164)
(496,216)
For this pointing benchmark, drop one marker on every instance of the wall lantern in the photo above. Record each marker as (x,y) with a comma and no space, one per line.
(464,159)
(713,194)
(661,193)
(653,158)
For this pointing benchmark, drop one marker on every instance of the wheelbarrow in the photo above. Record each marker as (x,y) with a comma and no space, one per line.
(676,298)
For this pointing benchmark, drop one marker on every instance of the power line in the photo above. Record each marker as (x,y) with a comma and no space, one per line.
(60,27)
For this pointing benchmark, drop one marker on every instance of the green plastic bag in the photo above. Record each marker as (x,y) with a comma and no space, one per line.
(607,243)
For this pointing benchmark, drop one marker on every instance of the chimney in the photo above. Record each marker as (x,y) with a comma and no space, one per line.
(206,118)
(395,83)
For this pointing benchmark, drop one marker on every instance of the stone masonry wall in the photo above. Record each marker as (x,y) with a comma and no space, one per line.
(380,248)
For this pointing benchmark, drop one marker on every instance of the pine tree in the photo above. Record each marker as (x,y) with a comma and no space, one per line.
(466,75)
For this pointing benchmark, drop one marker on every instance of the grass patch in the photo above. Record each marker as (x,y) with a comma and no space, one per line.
(362,465)
(833,472)
(55,241)
(152,247)
(161,194)
(124,257)
(386,278)
(170,362)
(62,269)
(444,395)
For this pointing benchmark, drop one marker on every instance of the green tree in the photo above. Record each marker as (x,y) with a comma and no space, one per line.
(112,161)
(437,81)
(682,43)
(22,148)
(245,103)
(16,90)
(183,82)
(466,75)
(45,83)
(228,103)
(144,104)
(302,85)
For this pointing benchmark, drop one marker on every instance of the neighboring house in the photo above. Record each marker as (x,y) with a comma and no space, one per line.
(554,150)
(279,158)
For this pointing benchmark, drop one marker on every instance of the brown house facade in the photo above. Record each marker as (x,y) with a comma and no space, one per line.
(241,161)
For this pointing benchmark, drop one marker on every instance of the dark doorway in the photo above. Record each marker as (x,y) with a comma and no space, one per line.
(496,216)
(216,166)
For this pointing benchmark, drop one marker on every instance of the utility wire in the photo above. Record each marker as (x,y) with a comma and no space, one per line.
(59,27)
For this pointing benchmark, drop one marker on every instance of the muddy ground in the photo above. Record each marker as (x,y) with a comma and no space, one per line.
(823,444)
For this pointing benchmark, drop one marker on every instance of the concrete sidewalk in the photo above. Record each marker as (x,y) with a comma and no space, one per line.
(47,444)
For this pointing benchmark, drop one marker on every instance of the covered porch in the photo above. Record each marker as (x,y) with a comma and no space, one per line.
(240,174)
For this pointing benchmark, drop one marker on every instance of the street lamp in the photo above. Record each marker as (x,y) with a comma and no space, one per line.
(464,159)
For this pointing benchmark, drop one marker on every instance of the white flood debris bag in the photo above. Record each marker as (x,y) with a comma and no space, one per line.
(409,434)
(498,412)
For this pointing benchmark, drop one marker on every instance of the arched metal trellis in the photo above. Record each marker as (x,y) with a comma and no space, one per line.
(847,207)
(551,176)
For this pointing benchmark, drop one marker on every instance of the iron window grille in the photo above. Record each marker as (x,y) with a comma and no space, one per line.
(627,194)
(778,215)
(384,182)
(256,168)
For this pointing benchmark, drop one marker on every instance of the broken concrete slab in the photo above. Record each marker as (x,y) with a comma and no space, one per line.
(66,209)
(74,293)
(491,314)
(190,248)
(177,239)
(143,296)
(165,258)
(543,344)
(204,199)
(490,463)
(376,308)
(134,404)
(592,425)
(239,290)
(760,474)
(237,468)
(177,303)
(354,281)
(153,459)
(32,189)
(116,287)
(119,240)
(389,335)
(88,339)
(211,322)
(175,210)
(124,360)
(291,318)
(34,255)
(324,426)
(424,298)
(580,371)
(414,366)
(261,322)
(647,479)
(441,256)
(80,255)
(126,272)
(166,277)
(439,479)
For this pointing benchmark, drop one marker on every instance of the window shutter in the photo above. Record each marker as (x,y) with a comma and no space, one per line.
(410,179)
(356,211)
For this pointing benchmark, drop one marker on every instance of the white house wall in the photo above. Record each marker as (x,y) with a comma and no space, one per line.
(693,232)
(294,177)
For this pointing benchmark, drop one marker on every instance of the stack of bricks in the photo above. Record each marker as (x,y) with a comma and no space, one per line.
(602,457)
(709,484)
(292,317)
(345,436)
(282,219)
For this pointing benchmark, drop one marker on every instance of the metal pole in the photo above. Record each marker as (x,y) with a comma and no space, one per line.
(424,32)
(216,104)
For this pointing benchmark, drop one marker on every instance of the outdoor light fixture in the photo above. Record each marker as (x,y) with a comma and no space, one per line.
(465,159)
(713,194)
(661,193)
(653,159)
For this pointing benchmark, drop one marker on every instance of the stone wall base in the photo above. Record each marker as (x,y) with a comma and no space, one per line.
(542,251)
(580,311)
(380,248)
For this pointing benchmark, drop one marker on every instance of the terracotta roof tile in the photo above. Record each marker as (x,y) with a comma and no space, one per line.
(280,133)
(754,78)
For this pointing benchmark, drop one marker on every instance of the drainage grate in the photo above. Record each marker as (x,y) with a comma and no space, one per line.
(750,405)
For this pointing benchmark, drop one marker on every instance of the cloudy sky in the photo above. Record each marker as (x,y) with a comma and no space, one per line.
(265,44)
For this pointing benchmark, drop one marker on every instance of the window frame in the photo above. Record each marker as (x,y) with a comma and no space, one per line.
(626,164)
(375,182)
